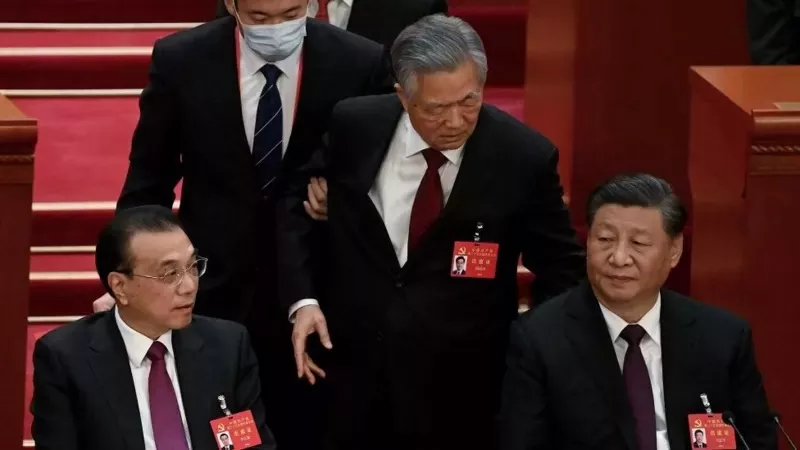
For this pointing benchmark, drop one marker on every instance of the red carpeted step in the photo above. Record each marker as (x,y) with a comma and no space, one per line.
(81,160)
(117,59)
(65,37)
(63,284)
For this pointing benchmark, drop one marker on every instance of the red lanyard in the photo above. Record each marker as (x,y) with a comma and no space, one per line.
(299,73)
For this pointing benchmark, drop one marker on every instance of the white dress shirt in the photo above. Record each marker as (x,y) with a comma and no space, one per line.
(396,186)
(137,346)
(252,82)
(338,11)
(651,350)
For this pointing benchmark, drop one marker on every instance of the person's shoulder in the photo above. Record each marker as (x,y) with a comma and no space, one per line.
(219,329)
(720,319)
(518,137)
(541,319)
(197,41)
(74,336)
(354,108)
(336,43)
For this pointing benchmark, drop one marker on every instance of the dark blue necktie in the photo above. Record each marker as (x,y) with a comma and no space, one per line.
(268,137)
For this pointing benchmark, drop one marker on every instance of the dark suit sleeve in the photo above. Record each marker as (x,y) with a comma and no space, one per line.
(248,390)
(550,249)
(773,32)
(155,159)
(53,425)
(523,416)
(221,10)
(750,405)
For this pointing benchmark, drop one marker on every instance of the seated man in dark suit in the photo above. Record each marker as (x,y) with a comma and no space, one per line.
(618,362)
(378,20)
(146,374)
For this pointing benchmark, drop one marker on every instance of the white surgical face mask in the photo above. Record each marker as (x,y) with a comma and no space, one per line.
(275,42)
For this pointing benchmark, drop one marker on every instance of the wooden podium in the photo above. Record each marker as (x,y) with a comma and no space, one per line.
(606,81)
(744,170)
(17,142)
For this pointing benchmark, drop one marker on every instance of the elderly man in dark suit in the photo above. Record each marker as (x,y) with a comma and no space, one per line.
(618,362)
(416,179)
(232,108)
(148,373)
(378,20)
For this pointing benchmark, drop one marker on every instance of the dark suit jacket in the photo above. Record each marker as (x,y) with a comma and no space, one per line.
(381,20)
(774,29)
(84,396)
(564,388)
(191,128)
(414,344)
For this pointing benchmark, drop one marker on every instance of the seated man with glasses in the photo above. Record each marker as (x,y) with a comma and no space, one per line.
(147,374)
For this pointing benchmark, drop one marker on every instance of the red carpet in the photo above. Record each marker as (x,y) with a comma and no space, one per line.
(502,30)
(82,157)
(81,38)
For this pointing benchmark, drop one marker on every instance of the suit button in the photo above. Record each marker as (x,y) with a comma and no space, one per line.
(379,336)
(399,284)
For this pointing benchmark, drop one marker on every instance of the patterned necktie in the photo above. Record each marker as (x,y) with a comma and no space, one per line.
(640,392)
(429,201)
(164,411)
(268,136)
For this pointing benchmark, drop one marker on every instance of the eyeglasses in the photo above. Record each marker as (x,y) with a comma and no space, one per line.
(174,277)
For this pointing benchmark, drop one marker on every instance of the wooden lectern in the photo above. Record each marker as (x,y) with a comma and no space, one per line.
(606,81)
(17,142)
(744,170)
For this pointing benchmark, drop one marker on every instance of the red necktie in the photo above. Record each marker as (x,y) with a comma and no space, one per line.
(429,200)
(164,411)
(640,391)
(322,14)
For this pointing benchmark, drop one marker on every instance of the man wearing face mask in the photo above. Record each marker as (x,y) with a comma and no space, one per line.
(232,107)
(378,20)
(414,180)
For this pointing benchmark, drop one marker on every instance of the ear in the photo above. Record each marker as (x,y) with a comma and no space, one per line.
(230,7)
(401,94)
(675,251)
(117,283)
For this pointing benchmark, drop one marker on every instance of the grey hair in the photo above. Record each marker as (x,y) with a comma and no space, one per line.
(436,43)
(643,190)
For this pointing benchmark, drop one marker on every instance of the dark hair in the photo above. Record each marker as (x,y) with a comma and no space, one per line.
(644,190)
(113,244)
(698,431)
(461,258)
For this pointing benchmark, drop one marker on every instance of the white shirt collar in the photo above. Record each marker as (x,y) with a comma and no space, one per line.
(313,6)
(651,322)
(250,62)
(415,144)
(138,344)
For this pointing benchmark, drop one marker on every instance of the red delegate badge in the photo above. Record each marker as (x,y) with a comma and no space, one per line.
(474,260)
(710,431)
(237,431)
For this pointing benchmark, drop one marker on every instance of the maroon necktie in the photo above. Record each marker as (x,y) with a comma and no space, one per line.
(322,14)
(429,200)
(640,392)
(164,411)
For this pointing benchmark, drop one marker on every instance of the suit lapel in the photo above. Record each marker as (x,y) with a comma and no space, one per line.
(677,341)
(221,87)
(314,87)
(360,177)
(109,362)
(588,332)
(192,370)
